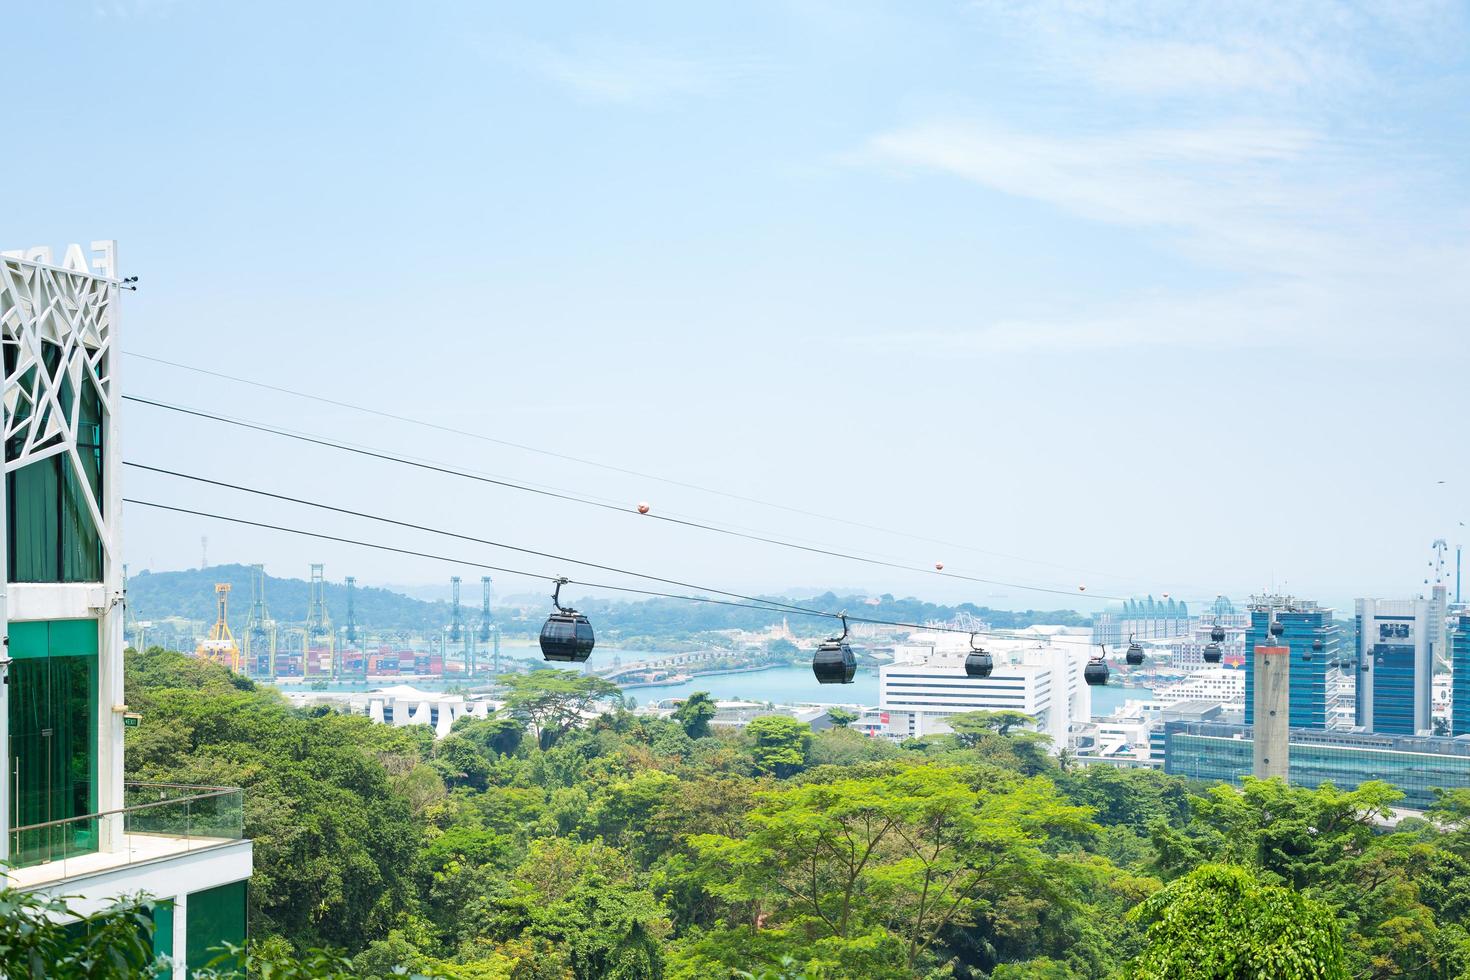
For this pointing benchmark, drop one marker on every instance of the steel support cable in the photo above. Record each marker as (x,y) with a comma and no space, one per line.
(451,430)
(508,484)
(454,534)
(357,542)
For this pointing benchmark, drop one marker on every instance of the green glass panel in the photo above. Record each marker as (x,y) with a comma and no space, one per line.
(32,497)
(52,535)
(53,740)
(89,438)
(69,637)
(81,545)
(163,932)
(29,640)
(215,916)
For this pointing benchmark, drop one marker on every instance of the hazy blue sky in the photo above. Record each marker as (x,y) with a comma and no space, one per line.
(1160,297)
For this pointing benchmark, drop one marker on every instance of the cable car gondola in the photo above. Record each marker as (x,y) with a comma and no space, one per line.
(979,662)
(1096,671)
(1277,628)
(833,662)
(567,635)
(1217,634)
(1212,652)
(1134,655)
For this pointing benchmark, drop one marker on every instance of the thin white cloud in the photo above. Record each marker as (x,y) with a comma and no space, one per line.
(610,71)
(1228,47)
(1329,239)
(1168,66)
(1326,239)
(1226,188)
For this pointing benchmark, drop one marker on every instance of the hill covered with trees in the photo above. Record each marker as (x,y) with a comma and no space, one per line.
(190,594)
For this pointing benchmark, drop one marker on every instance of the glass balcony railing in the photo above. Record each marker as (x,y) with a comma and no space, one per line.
(157,820)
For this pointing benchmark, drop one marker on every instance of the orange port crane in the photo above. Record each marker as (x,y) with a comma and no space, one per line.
(219,646)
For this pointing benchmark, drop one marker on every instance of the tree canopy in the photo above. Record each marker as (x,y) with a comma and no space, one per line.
(568,837)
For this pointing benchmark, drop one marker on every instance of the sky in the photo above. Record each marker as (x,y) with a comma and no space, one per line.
(1138,296)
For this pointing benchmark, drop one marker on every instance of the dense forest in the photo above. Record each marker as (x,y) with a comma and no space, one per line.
(190,594)
(535,845)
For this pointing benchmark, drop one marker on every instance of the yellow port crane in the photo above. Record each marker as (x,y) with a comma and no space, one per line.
(219,646)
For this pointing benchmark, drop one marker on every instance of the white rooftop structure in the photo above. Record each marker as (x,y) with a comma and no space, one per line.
(402,704)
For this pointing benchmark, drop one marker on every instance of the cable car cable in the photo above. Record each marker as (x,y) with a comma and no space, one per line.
(451,430)
(450,471)
(798,610)
(453,534)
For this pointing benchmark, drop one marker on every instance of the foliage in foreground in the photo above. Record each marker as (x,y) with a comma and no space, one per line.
(42,938)
(1221,921)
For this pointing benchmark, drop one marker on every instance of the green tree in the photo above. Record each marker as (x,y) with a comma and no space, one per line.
(585,901)
(905,855)
(1222,922)
(44,939)
(695,714)
(461,762)
(552,702)
(841,717)
(848,747)
(969,726)
(779,744)
(334,842)
(497,735)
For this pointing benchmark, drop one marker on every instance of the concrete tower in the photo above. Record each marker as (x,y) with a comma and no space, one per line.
(1272,707)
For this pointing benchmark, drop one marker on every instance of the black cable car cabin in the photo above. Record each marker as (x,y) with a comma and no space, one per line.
(979,663)
(566,636)
(833,663)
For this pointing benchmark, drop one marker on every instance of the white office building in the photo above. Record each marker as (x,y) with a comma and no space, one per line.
(1038,673)
(72,826)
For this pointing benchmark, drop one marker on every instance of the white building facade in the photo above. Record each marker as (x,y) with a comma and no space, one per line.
(69,823)
(1040,676)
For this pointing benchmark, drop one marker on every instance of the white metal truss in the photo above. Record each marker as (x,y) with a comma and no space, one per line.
(44,305)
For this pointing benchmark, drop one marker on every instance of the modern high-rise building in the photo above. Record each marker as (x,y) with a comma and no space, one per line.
(1043,678)
(1460,666)
(1319,679)
(70,825)
(1395,663)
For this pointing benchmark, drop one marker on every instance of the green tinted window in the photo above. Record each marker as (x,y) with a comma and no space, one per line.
(163,932)
(52,535)
(52,695)
(215,916)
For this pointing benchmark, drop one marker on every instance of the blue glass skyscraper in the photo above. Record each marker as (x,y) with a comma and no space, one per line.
(1395,665)
(1460,665)
(1317,675)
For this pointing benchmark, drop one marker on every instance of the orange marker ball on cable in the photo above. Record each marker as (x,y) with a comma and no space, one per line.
(643,507)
